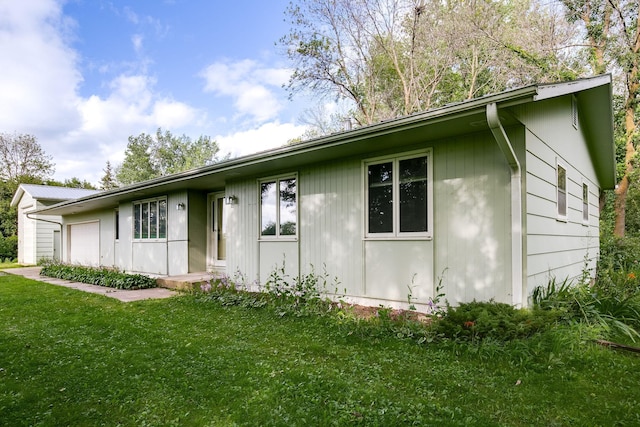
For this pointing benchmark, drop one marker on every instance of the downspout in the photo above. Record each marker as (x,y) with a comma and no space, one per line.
(44,220)
(516,203)
(49,221)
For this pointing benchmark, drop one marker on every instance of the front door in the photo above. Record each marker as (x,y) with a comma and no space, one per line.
(217,239)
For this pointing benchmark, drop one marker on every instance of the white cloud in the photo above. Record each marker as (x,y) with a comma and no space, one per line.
(251,86)
(269,135)
(136,40)
(38,75)
(40,79)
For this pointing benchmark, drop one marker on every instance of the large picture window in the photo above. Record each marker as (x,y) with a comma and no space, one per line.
(279,207)
(397,196)
(150,219)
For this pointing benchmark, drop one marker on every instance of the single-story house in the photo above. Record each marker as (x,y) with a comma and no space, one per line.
(489,197)
(39,235)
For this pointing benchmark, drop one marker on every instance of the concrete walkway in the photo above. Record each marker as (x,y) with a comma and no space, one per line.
(119,294)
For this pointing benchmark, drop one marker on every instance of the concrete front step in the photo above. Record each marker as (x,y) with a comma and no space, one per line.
(185,282)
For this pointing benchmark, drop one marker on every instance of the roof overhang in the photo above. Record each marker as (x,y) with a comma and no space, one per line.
(446,122)
(16,197)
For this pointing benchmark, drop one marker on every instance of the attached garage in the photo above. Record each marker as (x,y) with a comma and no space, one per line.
(84,243)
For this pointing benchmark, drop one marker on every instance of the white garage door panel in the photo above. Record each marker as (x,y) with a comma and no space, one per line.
(84,243)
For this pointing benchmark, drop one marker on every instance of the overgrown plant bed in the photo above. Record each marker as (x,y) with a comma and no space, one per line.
(98,276)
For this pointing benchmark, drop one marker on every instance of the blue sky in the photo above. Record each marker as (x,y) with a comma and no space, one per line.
(83,75)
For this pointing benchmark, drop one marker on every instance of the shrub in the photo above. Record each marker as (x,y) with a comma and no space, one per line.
(611,304)
(480,320)
(8,247)
(97,276)
(618,254)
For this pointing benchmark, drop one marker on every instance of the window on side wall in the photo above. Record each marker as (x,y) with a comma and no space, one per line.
(585,203)
(150,219)
(561,178)
(279,207)
(117,224)
(398,196)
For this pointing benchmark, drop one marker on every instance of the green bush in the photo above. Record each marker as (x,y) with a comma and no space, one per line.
(8,247)
(97,276)
(612,303)
(480,320)
(618,254)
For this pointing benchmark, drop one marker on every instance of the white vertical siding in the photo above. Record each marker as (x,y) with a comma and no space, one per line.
(105,237)
(26,231)
(123,255)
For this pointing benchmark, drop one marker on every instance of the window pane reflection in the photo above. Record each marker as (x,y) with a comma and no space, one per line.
(268,208)
(413,195)
(288,207)
(381,198)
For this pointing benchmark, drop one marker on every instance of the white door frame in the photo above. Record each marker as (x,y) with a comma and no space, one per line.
(216,211)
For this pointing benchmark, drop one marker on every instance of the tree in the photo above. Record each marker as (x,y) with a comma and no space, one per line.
(398,57)
(149,157)
(22,158)
(108,180)
(612,36)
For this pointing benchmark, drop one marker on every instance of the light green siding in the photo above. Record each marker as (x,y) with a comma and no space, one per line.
(557,247)
(197,231)
(470,247)
(331,223)
(242,226)
(106,234)
(472,237)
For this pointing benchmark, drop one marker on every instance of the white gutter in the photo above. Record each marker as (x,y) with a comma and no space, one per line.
(516,203)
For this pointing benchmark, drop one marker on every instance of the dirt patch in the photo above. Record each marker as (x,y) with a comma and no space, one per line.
(366,312)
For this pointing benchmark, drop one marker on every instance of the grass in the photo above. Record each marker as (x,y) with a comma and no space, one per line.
(9,264)
(70,358)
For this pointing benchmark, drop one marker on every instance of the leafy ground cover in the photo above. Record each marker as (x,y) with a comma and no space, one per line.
(100,276)
(70,358)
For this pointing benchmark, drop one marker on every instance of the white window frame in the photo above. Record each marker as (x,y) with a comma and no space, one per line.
(562,216)
(277,179)
(133,222)
(585,206)
(116,228)
(396,234)
(574,111)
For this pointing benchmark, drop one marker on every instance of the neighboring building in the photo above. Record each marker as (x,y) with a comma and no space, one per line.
(40,238)
(493,195)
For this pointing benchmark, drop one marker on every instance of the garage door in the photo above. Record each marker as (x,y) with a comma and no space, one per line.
(84,243)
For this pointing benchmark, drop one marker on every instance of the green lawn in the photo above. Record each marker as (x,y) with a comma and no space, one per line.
(70,358)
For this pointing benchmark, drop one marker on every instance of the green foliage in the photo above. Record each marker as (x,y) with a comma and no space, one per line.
(611,306)
(22,158)
(476,321)
(108,180)
(73,358)
(8,247)
(148,156)
(97,276)
(618,255)
(300,296)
